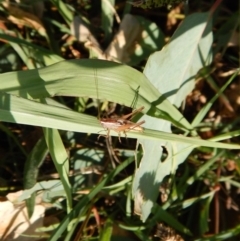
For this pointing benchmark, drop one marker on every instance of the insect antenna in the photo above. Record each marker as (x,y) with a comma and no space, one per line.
(98,101)
(135,99)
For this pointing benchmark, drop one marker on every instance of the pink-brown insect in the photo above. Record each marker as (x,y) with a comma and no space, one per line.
(122,124)
(119,124)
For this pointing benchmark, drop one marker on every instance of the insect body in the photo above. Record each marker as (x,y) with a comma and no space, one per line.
(122,124)
(119,124)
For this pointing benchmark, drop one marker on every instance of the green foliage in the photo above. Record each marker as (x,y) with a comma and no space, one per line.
(97,183)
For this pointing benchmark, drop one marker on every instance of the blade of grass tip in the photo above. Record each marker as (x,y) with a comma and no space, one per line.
(204,215)
(232,182)
(129,201)
(207,107)
(121,183)
(191,201)
(226,136)
(159,135)
(132,228)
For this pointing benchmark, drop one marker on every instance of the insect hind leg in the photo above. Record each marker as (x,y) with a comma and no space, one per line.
(133,113)
(106,136)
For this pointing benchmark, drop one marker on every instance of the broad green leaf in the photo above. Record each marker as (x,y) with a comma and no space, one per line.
(95,79)
(172,72)
(151,39)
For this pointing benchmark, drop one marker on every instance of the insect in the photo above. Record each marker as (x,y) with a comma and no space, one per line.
(119,124)
(122,124)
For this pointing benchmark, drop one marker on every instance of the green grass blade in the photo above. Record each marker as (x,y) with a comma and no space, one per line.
(34,161)
(77,210)
(60,159)
(107,17)
(199,117)
(19,110)
(40,53)
(63,10)
(106,233)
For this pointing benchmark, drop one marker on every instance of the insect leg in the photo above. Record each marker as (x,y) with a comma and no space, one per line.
(119,136)
(133,113)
